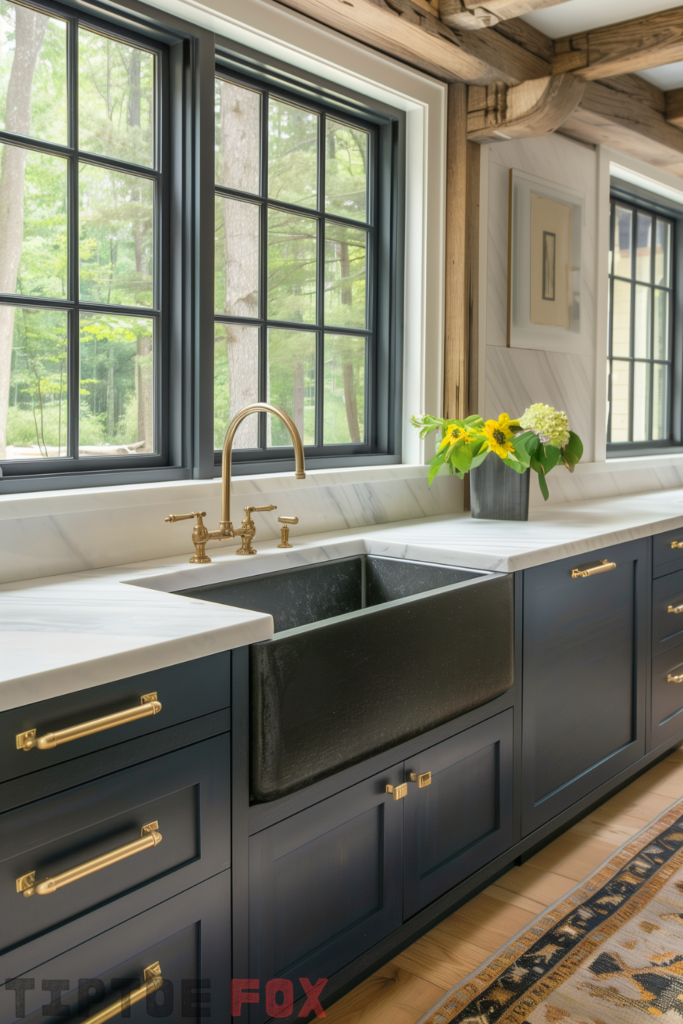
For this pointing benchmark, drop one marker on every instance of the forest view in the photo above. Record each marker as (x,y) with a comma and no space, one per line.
(309,308)
(109,265)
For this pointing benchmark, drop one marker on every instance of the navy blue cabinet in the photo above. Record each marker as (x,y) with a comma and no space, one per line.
(325,884)
(585,656)
(463,817)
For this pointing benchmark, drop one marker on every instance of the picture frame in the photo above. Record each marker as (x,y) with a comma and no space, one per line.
(545,229)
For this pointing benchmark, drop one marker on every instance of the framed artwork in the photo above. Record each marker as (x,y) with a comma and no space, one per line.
(544,266)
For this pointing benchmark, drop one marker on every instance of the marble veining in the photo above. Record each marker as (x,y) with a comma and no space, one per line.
(65,633)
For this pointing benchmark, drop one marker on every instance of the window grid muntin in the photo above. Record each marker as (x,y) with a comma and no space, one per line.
(631,360)
(73,304)
(320,328)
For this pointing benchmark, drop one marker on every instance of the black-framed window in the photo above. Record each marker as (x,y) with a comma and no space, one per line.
(83,200)
(300,228)
(642,358)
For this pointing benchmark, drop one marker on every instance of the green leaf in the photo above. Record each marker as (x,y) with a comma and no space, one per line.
(538,468)
(548,457)
(573,450)
(521,452)
(461,457)
(519,467)
(478,459)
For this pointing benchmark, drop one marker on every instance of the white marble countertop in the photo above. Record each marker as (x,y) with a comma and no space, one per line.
(66,633)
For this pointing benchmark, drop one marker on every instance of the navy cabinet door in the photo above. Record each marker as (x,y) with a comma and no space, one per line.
(463,818)
(585,668)
(325,884)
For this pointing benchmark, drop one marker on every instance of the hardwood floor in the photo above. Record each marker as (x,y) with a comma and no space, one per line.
(413,981)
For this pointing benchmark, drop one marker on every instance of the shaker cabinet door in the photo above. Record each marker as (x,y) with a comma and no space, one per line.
(585,668)
(458,812)
(325,884)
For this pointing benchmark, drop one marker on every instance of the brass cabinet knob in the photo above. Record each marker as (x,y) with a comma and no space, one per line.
(672,678)
(398,792)
(676,544)
(424,779)
(675,609)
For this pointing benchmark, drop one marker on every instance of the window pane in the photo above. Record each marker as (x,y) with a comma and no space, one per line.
(642,322)
(621,319)
(644,249)
(291,384)
(237,257)
(660,414)
(344,414)
(32,87)
(292,154)
(345,249)
(292,249)
(622,241)
(641,401)
(346,169)
(661,346)
(34,260)
(238,134)
(116,237)
(116,415)
(115,99)
(663,254)
(235,382)
(33,409)
(620,400)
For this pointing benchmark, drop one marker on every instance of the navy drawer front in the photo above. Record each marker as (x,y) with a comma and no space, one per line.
(667,619)
(185,691)
(667,696)
(189,937)
(666,555)
(187,793)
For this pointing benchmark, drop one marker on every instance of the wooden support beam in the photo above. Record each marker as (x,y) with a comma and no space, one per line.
(462,260)
(673,111)
(408,31)
(472,15)
(623,48)
(534,108)
(604,118)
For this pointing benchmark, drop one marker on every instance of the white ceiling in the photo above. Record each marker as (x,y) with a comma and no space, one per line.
(668,76)
(581,15)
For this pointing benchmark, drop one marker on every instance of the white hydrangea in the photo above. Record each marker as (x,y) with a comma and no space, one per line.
(551,426)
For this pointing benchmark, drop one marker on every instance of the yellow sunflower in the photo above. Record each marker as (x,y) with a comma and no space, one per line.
(498,434)
(456,433)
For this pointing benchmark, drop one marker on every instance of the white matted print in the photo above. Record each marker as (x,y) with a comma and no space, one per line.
(544,266)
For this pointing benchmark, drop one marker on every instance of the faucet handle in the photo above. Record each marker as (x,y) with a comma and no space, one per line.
(260,508)
(284,529)
(188,515)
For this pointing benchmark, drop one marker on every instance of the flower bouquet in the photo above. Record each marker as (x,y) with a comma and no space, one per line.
(538,440)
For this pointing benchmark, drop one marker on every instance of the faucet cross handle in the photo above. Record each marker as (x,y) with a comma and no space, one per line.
(247,530)
(200,535)
(259,508)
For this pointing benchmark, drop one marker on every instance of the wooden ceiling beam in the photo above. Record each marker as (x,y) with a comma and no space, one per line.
(603,118)
(408,31)
(473,15)
(673,111)
(623,48)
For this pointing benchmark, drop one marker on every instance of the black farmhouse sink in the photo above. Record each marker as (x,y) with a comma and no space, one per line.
(367,652)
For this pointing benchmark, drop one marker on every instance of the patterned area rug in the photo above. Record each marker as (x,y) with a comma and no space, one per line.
(611,952)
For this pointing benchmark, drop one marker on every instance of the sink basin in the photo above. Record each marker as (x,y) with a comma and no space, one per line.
(367,652)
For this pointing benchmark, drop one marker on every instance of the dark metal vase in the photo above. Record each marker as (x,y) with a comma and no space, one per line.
(497,492)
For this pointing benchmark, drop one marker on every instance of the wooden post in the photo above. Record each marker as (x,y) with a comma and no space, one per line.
(462,241)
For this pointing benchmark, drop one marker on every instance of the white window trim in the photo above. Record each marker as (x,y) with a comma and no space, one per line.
(287,36)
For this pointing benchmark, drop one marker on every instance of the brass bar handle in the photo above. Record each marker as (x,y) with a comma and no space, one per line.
(188,515)
(592,570)
(423,779)
(149,836)
(674,679)
(260,508)
(675,609)
(397,792)
(149,705)
(676,544)
(152,983)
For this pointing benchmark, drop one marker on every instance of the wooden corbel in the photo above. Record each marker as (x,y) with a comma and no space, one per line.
(536,107)
(472,15)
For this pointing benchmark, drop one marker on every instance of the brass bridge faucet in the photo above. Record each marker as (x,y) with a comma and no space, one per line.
(247,530)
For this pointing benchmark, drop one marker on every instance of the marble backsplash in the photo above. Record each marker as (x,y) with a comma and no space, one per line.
(67,531)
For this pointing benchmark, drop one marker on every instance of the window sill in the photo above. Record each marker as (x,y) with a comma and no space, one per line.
(631,463)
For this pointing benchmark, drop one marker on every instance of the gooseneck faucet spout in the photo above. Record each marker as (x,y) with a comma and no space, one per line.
(247,530)
(300,472)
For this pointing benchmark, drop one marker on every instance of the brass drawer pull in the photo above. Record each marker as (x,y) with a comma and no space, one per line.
(675,609)
(593,570)
(674,679)
(149,705)
(424,779)
(676,544)
(149,836)
(398,792)
(152,983)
